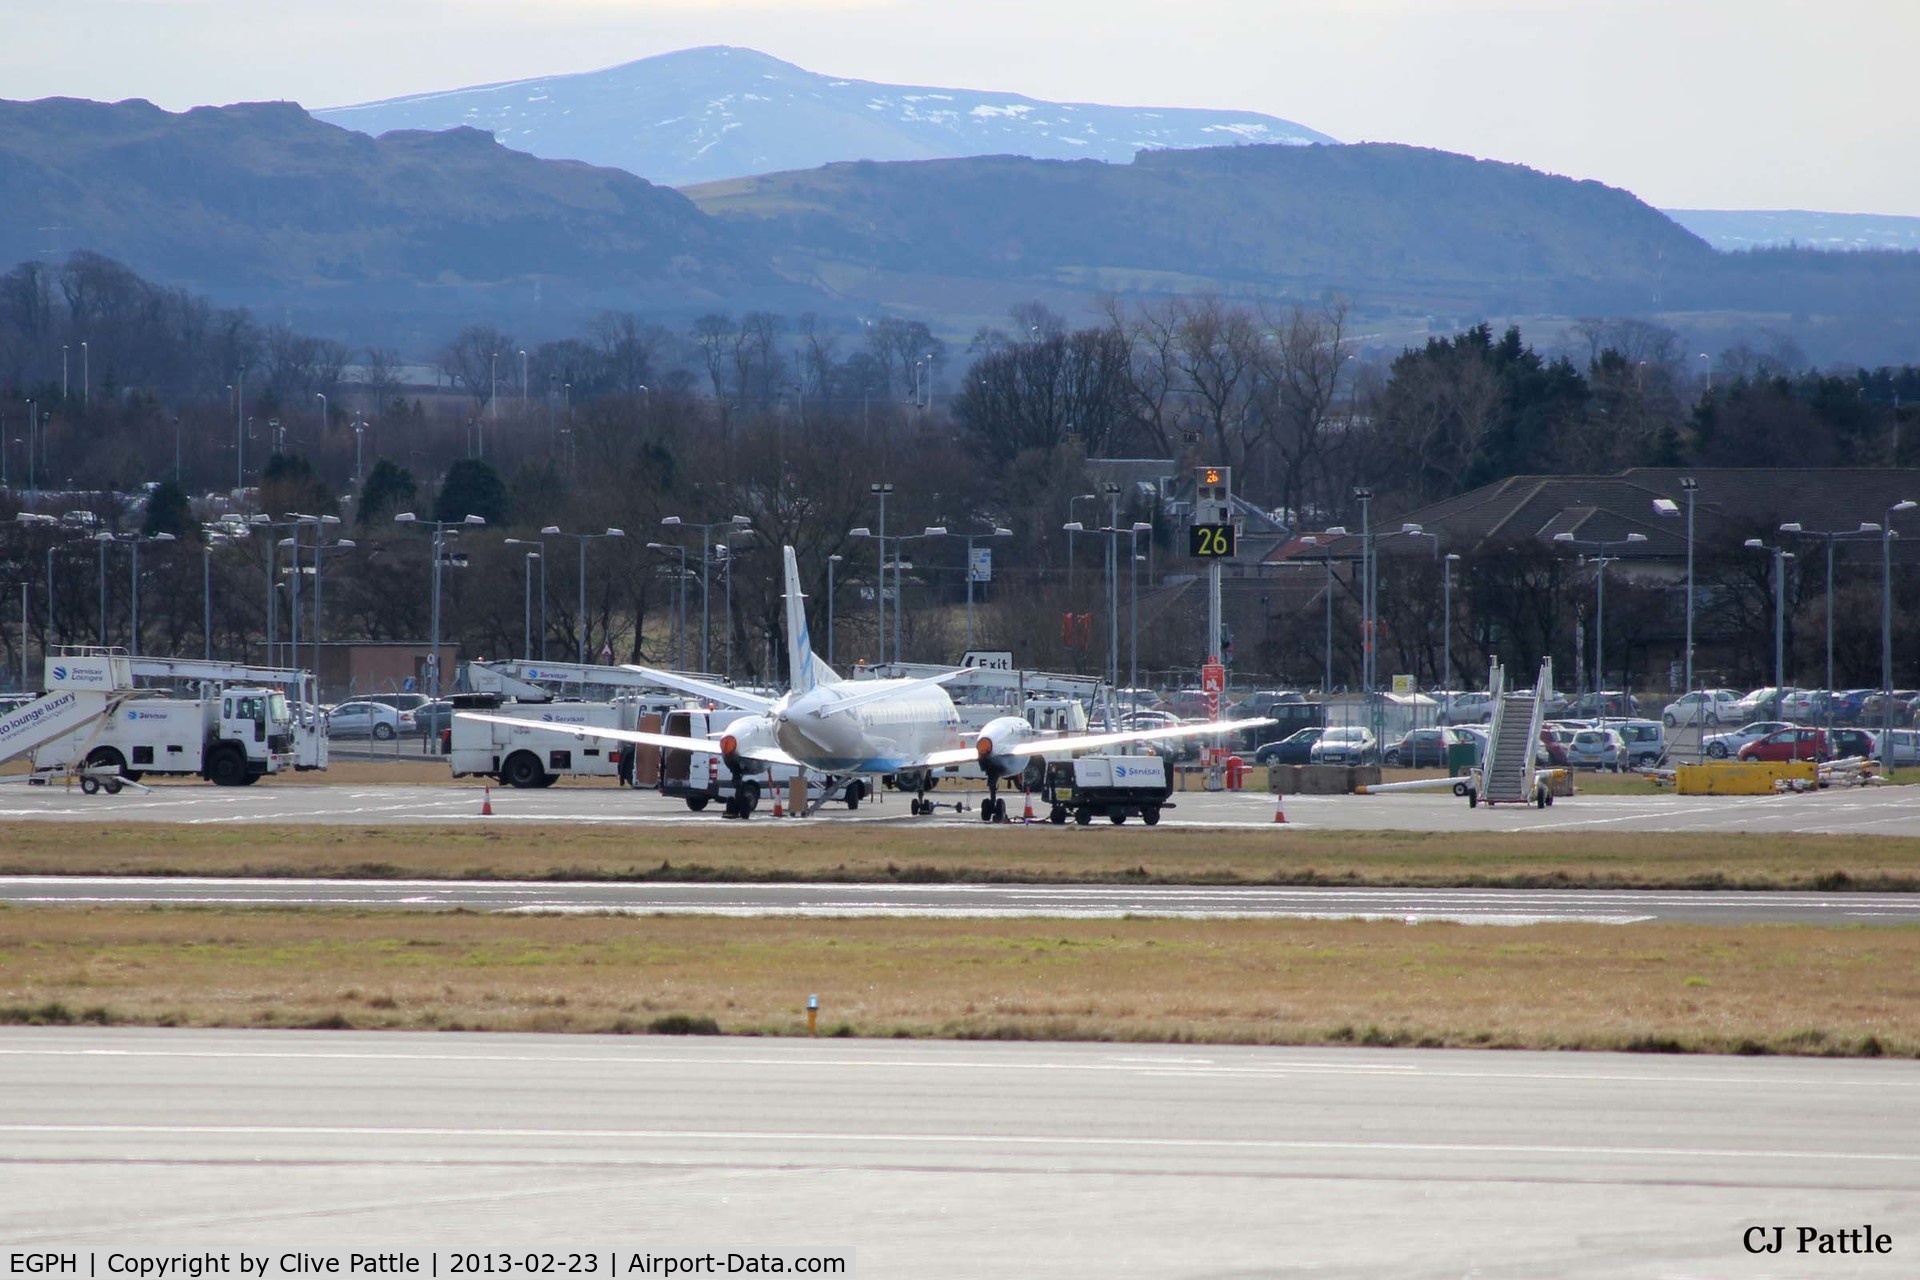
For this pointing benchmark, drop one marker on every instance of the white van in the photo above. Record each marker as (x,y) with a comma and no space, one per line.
(1646,740)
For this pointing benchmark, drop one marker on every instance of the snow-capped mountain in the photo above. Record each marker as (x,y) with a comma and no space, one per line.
(720,112)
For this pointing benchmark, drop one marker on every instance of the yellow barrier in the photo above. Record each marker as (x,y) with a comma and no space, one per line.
(1742,777)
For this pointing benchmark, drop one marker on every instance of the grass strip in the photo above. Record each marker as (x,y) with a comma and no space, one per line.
(1659,988)
(1044,854)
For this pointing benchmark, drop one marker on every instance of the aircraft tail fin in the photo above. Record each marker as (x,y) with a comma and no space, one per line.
(804,667)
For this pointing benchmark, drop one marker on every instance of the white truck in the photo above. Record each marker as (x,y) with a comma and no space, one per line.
(528,756)
(700,777)
(1118,786)
(232,739)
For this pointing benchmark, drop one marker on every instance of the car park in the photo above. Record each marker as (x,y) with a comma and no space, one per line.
(1596,748)
(1345,744)
(1295,748)
(1720,746)
(368,720)
(1703,706)
(1795,742)
(1422,749)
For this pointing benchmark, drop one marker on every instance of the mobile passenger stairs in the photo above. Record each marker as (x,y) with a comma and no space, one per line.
(1507,774)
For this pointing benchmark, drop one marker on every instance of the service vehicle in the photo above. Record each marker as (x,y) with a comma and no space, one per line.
(700,778)
(1120,787)
(524,756)
(232,739)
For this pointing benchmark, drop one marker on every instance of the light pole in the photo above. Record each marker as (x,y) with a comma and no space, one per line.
(523,387)
(63,373)
(240,429)
(1112,490)
(1446,590)
(359,471)
(320,526)
(132,542)
(1780,556)
(439,528)
(86,375)
(833,562)
(542,558)
(493,396)
(1072,527)
(971,538)
(1326,559)
(206,595)
(526,607)
(1668,507)
(881,491)
(1133,608)
(1795,528)
(1601,559)
(553,531)
(1886,633)
(706,569)
(899,590)
(321,396)
(33,418)
(680,626)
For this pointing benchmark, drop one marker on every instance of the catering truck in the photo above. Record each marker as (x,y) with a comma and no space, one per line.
(232,738)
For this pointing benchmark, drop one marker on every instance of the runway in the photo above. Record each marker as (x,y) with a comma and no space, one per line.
(1890,811)
(1466,906)
(934,1159)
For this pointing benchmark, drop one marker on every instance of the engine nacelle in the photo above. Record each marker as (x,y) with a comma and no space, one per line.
(995,738)
(749,732)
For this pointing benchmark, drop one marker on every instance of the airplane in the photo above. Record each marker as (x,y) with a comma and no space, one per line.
(845,729)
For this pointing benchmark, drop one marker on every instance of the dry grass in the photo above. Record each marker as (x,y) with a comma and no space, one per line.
(1774,989)
(895,852)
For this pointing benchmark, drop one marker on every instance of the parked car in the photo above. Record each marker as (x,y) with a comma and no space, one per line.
(1345,744)
(1596,749)
(433,719)
(1796,742)
(1877,708)
(1261,703)
(1611,702)
(1807,705)
(1722,745)
(1295,748)
(1903,747)
(1475,736)
(1848,704)
(1646,740)
(399,701)
(1188,704)
(1422,749)
(368,720)
(1761,704)
(1848,742)
(1703,706)
(1551,750)
(1463,708)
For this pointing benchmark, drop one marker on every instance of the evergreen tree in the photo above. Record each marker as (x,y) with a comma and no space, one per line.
(388,489)
(472,487)
(168,511)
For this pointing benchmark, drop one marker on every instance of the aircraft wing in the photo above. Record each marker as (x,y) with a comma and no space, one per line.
(724,694)
(639,737)
(891,689)
(1088,741)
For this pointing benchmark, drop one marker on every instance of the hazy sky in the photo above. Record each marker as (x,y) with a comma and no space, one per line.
(1761,104)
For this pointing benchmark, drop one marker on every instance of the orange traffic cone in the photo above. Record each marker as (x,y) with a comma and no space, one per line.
(1279,808)
(778,811)
(486,803)
(1028,815)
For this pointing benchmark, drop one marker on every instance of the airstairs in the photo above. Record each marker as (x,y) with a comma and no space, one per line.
(1507,775)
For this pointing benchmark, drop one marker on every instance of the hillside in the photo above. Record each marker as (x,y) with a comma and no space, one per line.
(1390,226)
(718,112)
(261,204)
